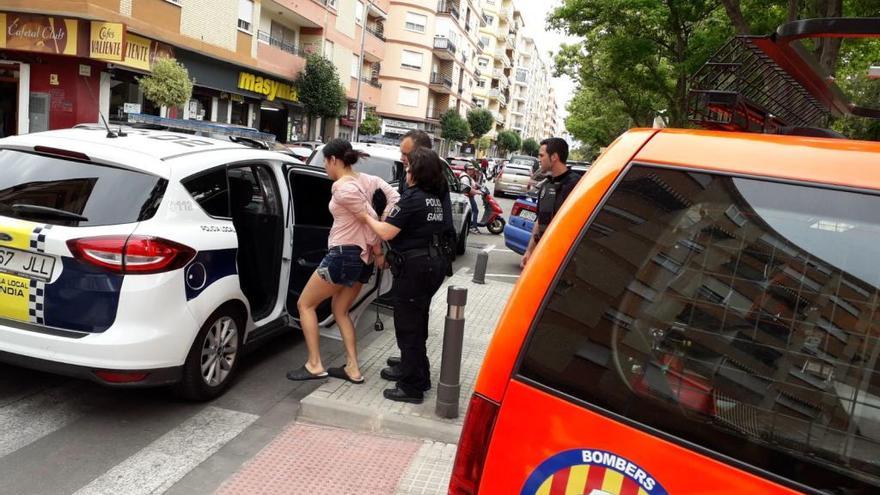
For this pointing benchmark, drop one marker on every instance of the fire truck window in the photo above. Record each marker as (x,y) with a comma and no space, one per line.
(736,314)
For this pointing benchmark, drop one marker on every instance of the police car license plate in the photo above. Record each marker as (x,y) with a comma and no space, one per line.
(528,215)
(26,264)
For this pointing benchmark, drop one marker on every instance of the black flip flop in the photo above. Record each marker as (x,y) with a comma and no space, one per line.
(339,372)
(303,374)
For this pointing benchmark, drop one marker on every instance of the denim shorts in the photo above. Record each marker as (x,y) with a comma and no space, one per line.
(342,265)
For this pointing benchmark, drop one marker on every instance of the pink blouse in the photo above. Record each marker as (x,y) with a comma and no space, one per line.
(350,197)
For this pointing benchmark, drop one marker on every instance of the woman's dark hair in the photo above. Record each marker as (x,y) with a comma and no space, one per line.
(341,149)
(426,170)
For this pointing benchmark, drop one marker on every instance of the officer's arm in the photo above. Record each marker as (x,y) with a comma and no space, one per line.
(384,230)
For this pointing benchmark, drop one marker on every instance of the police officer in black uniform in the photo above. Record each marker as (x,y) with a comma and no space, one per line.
(552,193)
(416,229)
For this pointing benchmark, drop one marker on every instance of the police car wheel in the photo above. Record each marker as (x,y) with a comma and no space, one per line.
(462,237)
(213,357)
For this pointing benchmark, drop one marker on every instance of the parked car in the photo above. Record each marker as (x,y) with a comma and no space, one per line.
(312,145)
(525,160)
(513,179)
(698,314)
(154,257)
(384,161)
(459,164)
(579,166)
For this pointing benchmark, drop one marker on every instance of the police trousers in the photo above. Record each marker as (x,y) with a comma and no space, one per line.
(413,289)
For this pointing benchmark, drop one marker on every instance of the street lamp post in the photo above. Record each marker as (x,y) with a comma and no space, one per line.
(357,105)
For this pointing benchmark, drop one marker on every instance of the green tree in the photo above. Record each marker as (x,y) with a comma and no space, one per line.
(484,143)
(370,126)
(480,121)
(169,84)
(508,141)
(531,147)
(319,89)
(454,127)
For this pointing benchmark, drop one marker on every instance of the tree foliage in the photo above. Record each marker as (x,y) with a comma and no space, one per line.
(454,127)
(169,84)
(319,89)
(636,56)
(530,147)
(508,141)
(370,126)
(480,121)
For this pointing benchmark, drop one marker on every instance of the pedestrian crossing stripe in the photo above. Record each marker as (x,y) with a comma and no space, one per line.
(590,472)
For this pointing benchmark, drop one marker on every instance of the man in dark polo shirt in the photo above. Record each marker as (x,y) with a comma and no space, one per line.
(553,192)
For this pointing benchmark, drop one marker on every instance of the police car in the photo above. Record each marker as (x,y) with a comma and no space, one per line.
(149,257)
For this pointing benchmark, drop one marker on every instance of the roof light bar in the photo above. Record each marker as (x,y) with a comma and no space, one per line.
(202,126)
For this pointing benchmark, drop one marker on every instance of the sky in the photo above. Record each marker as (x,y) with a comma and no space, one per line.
(534,14)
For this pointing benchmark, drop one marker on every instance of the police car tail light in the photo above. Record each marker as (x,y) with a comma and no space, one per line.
(131,254)
(473,446)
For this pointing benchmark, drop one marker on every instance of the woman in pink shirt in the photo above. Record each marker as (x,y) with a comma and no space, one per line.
(352,248)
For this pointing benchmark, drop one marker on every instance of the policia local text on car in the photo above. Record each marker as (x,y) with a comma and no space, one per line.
(553,192)
(420,259)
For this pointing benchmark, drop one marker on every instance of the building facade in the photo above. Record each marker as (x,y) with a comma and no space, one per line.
(78,58)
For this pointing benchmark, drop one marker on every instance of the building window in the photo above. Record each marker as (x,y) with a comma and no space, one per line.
(416,22)
(485,41)
(245,14)
(328,49)
(355,66)
(359,13)
(411,60)
(483,63)
(481,83)
(490,20)
(408,97)
(331,4)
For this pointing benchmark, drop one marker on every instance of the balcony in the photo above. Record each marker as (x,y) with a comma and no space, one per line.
(377,30)
(501,56)
(505,15)
(371,90)
(481,46)
(276,56)
(498,117)
(448,8)
(312,11)
(435,113)
(511,43)
(497,94)
(444,48)
(441,84)
(519,96)
(374,45)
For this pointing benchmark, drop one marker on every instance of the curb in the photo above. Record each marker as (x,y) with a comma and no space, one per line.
(329,412)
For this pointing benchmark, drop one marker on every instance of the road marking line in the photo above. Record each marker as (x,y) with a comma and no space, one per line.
(501,275)
(488,249)
(27,420)
(158,466)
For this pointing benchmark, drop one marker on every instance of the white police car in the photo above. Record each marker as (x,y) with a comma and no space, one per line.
(153,257)
(384,161)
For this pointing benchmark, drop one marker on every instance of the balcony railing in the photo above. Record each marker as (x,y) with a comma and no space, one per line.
(282,45)
(372,81)
(435,113)
(441,80)
(446,7)
(377,31)
(442,43)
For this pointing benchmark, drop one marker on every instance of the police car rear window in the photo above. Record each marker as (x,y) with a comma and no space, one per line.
(386,168)
(58,191)
(737,314)
(517,170)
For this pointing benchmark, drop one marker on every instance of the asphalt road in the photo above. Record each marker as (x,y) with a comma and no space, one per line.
(60,435)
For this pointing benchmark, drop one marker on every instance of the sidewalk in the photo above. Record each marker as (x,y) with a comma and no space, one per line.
(349,439)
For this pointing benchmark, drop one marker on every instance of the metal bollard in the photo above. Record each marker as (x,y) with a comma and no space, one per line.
(449,386)
(480,268)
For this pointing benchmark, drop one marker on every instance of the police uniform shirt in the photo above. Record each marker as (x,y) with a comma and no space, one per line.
(418,216)
(551,196)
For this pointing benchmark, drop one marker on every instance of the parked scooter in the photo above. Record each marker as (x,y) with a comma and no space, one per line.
(493,215)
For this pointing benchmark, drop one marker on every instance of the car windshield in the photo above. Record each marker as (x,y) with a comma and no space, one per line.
(73,193)
(385,168)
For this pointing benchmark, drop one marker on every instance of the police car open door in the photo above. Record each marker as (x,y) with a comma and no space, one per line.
(310,221)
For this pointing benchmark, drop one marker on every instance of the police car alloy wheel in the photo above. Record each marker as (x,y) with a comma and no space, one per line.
(212,359)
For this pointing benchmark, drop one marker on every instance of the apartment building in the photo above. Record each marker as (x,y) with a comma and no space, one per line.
(63,61)
(430,64)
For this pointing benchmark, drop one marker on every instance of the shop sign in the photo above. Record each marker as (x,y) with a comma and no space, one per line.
(232,97)
(131,108)
(38,33)
(402,124)
(107,41)
(140,53)
(268,87)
